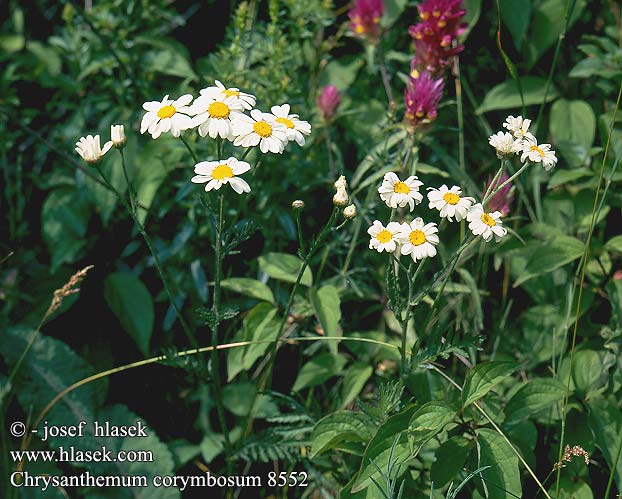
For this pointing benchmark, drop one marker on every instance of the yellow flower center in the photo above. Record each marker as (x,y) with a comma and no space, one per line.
(414,74)
(262,129)
(360,29)
(218,110)
(417,237)
(401,188)
(488,220)
(425,16)
(384,236)
(451,198)
(166,112)
(222,172)
(538,150)
(231,93)
(288,123)
(442,23)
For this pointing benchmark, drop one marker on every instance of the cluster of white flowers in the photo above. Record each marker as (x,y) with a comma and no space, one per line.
(417,238)
(519,140)
(220,112)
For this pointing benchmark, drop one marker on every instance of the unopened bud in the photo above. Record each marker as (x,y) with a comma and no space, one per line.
(341,182)
(299,204)
(349,211)
(341,197)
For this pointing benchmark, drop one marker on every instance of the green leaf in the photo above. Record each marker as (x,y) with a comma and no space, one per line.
(584,375)
(64,219)
(392,11)
(429,420)
(516,15)
(326,303)
(372,159)
(605,420)
(573,122)
(318,370)
(132,304)
(502,478)
(340,73)
(449,460)
(379,449)
(506,94)
(551,256)
(102,198)
(258,325)
(285,267)
(170,62)
(534,396)
(483,378)
(249,287)
(354,380)
(339,428)
(211,446)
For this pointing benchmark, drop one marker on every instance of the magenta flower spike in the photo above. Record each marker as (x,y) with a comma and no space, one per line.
(328,101)
(502,200)
(365,16)
(421,98)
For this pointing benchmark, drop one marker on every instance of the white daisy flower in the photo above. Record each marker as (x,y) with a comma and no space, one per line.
(167,115)
(217,92)
(90,150)
(449,202)
(383,238)
(259,128)
(117,136)
(485,224)
(396,193)
(295,126)
(519,127)
(418,239)
(505,143)
(214,116)
(538,153)
(218,173)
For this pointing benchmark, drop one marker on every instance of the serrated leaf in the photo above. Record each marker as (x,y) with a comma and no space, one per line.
(336,429)
(502,478)
(534,396)
(506,95)
(132,304)
(285,267)
(249,287)
(318,370)
(483,378)
(353,381)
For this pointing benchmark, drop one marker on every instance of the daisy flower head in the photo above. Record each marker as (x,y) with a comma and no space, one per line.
(214,115)
(384,238)
(538,153)
(214,174)
(259,129)
(219,91)
(117,136)
(519,127)
(505,144)
(296,128)
(395,192)
(166,115)
(449,202)
(485,224)
(418,239)
(90,150)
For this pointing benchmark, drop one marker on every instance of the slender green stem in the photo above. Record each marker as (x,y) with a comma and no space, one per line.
(246,153)
(192,153)
(301,243)
(130,190)
(503,184)
(190,335)
(460,115)
(406,318)
(581,284)
(614,465)
(214,353)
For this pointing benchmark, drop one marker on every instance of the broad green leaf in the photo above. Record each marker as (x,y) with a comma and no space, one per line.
(354,380)
(449,460)
(473,10)
(212,445)
(379,449)
(240,397)
(605,420)
(516,15)
(569,489)
(547,24)
(336,429)
(249,287)
(483,378)
(64,219)
(326,303)
(258,325)
(502,478)
(534,396)
(392,11)
(506,94)
(285,267)
(561,177)
(132,304)
(429,420)
(11,43)
(614,244)
(588,372)
(170,62)
(318,370)
(551,256)
(340,73)
(573,122)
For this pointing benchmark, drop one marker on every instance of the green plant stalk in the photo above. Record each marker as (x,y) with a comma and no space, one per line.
(190,335)
(460,115)
(214,352)
(614,465)
(406,319)
(503,184)
(192,153)
(497,429)
(358,223)
(581,283)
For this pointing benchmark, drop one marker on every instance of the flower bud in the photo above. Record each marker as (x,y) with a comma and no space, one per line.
(117,136)
(341,183)
(298,204)
(349,211)
(328,101)
(341,197)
